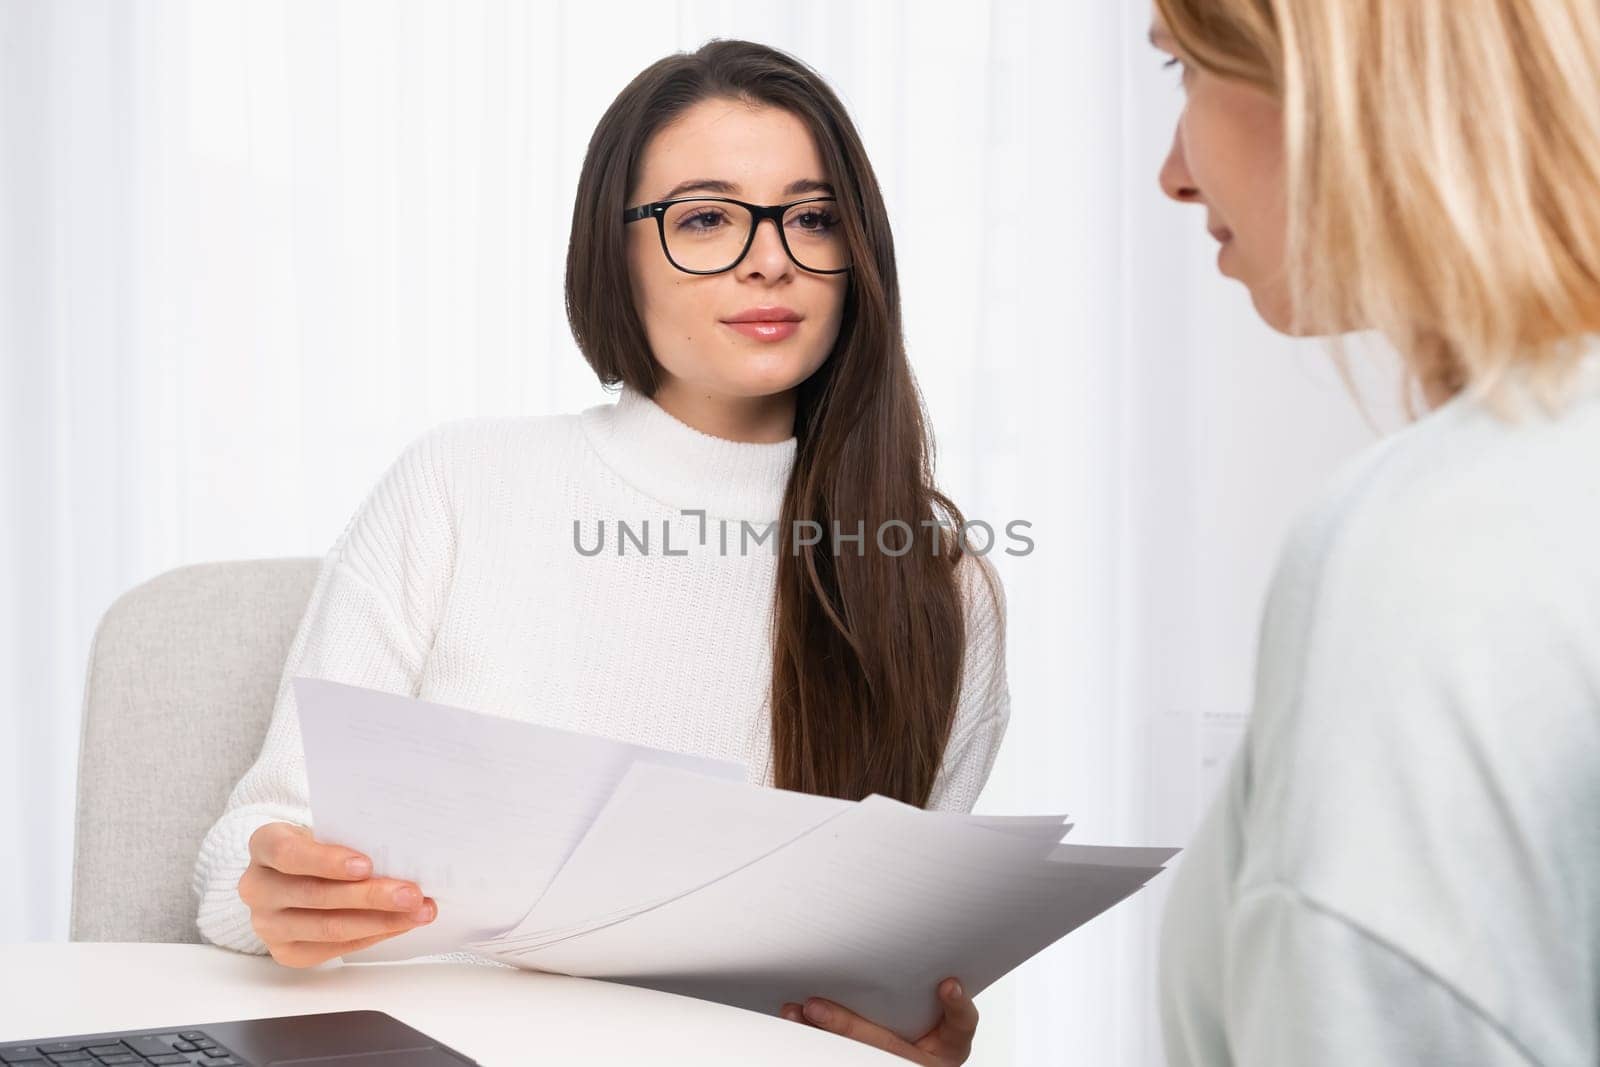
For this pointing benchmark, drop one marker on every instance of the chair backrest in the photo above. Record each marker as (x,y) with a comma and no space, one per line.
(183,673)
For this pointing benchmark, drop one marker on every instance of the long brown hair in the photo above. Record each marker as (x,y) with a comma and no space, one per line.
(867,648)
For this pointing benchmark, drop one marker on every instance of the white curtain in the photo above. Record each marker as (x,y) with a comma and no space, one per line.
(251,248)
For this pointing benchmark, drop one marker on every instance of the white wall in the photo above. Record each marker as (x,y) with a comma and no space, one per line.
(247,250)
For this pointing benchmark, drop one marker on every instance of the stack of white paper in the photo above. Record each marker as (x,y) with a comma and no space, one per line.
(562,852)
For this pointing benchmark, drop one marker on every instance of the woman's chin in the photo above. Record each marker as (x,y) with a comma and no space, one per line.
(1273,307)
(766,373)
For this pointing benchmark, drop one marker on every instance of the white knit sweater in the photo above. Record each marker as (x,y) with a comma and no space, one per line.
(459,581)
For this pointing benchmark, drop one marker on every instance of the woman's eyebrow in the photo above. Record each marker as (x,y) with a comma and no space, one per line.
(725,188)
(808,185)
(1161,39)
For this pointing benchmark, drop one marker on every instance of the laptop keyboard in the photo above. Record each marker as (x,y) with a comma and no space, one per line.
(187,1048)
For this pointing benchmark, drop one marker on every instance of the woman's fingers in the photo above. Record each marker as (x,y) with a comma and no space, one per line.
(338,927)
(304,937)
(826,1015)
(951,1040)
(310,901)
(291,849)
(312,953)
(294,891)
(945,1045)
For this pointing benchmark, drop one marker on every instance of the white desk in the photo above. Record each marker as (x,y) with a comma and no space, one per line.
(500,1017)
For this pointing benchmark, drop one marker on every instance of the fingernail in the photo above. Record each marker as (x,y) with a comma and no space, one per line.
(791,1012)
(423,914)
(358,867)
(818,1012)
(955,990)
(407,897)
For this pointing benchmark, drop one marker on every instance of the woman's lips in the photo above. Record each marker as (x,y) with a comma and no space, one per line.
(768,330)
(1224,238)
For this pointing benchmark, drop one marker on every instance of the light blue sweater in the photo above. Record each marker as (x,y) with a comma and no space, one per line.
(1403,866)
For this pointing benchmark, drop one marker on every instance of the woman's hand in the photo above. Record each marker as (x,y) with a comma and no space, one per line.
(948,1043)
(310,902)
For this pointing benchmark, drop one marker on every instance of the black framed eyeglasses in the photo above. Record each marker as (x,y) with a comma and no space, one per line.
(712,234)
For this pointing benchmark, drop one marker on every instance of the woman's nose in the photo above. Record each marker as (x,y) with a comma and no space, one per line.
(766,256)
(1176,181)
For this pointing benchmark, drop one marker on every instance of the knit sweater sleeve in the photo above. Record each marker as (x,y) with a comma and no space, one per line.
(983,708)
(370,622)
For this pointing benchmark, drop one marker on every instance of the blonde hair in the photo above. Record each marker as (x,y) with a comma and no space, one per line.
(1443,172)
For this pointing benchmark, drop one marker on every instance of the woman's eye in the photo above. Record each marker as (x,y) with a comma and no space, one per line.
(1177,64)
(701,220)
(818,221)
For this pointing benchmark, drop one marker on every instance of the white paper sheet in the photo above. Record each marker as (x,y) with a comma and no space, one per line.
(480,811)
(872,908)
(665,832)
(562,852)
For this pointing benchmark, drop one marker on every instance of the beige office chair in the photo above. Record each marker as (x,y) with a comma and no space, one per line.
(182,677)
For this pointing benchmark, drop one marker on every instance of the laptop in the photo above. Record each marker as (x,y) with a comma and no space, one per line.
(332,1039)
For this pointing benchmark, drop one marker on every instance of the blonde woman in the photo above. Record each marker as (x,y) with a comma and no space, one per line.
(1404,865)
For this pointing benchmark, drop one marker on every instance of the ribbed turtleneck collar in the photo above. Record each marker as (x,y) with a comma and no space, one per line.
(681,467)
